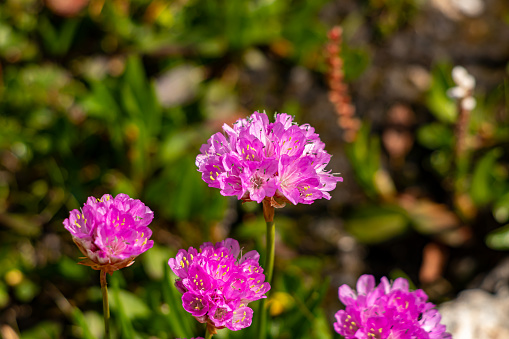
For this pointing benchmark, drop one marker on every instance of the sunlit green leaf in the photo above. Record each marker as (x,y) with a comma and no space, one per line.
(443,107)
(26,290)
(501,209)
(43,330)
(435,135)
(364,155)
(70,269)
(499,238)
(154,259)
(372,224)
(484,187)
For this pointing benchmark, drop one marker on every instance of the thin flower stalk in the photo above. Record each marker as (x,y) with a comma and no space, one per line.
(106,307)
(208,333)
(268,214)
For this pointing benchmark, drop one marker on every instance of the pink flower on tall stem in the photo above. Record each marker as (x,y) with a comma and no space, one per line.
(111,232)
(387,311)
(256,160)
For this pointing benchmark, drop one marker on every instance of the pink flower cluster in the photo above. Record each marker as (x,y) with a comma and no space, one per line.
(387,311)
(111,232)
(217,286)
(256,159)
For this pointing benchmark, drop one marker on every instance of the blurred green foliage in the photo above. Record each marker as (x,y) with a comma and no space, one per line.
(81,115)
(117,96)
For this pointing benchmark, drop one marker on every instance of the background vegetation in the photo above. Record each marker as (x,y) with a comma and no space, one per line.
(117,96)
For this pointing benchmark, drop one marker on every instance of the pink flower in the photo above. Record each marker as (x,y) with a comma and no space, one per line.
(256,160)
(387,311)
(217,285)
(111,232)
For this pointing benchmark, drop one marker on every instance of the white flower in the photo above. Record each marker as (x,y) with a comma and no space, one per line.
(465,86)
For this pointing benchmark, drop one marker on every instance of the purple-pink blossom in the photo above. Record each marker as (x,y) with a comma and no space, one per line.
(218,282)
(387,311)
(256,160)
(111,232)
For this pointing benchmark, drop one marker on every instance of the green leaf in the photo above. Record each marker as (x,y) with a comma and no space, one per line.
(442,107)
(307,302)
(501,209)
(321,328)
(154,259)
(441,160)
(117,305)
(356,60)
(175,145)
(43,330)
(435,135)
(178,319)
(58,42)
(84,323)
(364,155)
(129,304)
(103,103)
(26,290)
(484,185)
(71,270)
(499,238)
(4,295)
(373,224)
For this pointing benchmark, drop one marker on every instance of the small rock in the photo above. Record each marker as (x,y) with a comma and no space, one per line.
(477,314)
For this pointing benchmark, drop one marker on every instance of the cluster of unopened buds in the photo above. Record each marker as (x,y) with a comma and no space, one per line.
(218,283)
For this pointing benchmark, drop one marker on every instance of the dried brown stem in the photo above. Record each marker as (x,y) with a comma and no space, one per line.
(338,94)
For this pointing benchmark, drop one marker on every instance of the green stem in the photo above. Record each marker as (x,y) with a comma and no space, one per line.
(271,249)
(268,213)
(106,307)
(208,334)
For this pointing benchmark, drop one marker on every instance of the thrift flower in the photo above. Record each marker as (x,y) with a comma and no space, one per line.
(387,311)
(217,283)
(256,160)
(111,232)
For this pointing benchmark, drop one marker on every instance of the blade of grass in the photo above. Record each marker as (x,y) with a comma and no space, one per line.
(70,311)
(176,318)
(126,327)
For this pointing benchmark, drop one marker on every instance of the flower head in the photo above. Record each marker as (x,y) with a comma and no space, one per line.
(217,283)
(256,160)
(387,311)
(111,232)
